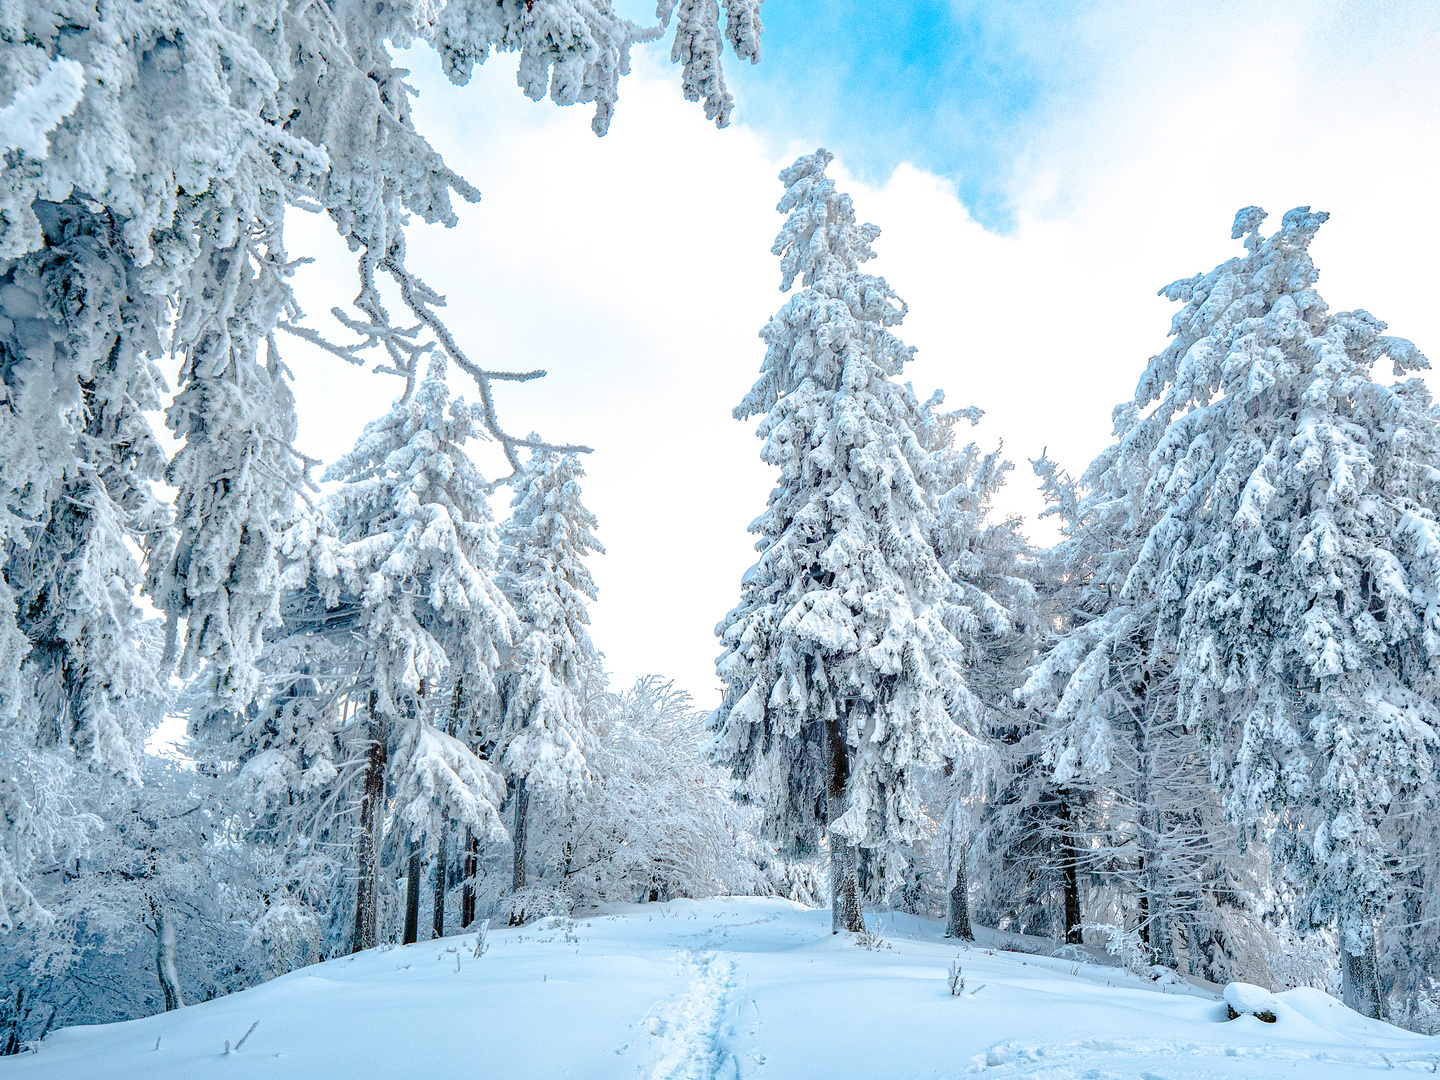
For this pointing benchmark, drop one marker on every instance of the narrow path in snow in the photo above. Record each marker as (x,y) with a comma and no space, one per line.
(687,1030)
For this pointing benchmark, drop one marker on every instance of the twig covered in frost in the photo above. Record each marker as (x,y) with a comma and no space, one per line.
(249,1031)
(481,945)
(956,977)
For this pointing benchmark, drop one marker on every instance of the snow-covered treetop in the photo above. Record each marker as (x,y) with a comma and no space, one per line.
(823,245)
(416,543)
(545,739)
(840,616)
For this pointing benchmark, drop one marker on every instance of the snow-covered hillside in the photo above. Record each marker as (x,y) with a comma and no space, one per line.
(734,989)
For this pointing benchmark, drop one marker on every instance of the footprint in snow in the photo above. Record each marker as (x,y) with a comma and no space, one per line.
(687,1031)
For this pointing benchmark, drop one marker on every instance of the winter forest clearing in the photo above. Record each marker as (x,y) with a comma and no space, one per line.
(323,759)
(733,989)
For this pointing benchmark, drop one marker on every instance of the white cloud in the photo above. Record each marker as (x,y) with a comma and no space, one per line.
(636,269)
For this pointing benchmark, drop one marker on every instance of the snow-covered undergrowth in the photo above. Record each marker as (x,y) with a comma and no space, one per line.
(733,989)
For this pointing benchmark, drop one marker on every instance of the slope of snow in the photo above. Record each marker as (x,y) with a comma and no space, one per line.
(731,989)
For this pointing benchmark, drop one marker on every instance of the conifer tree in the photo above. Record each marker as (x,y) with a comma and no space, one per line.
(1294,552)
(544,741)
(841,676)
(416,545)
(1255,559)
(991,611)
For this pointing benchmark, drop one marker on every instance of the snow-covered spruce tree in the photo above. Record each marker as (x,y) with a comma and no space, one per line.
(544,742)
(992,612)
(416,544)
(1118,788)
(263,107)
(75,380)
(1096,685)
(841,676)
(1294,557)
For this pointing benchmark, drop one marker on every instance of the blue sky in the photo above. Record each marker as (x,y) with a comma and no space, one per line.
(953,88)
(1038,171)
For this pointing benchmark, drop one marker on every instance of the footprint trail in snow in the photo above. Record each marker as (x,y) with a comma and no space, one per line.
(687,1030)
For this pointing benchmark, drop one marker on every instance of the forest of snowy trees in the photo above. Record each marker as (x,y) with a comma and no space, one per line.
(1198,732)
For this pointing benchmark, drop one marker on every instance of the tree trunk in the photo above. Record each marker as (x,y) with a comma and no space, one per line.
(958,925)
(1360,981)
(412,896)
(1074,935)
(437,925)
(1074,917)
(165,958)
(467,890)
(372,806)
(522,811)
(517,873)
(844,888)
(1162,944)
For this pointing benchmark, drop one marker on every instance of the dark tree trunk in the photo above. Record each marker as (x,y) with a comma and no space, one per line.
(517,875)
(1070,867)
(1144,904)
(442,868)
(844,888)
(1074,935)
(467,890)
(1360,981)
(372,802)
(412,897)
(958,925)
(522,814)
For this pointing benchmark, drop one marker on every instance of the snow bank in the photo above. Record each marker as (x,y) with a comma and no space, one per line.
(728,989)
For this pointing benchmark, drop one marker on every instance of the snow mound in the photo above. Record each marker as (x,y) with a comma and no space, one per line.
(1246,999)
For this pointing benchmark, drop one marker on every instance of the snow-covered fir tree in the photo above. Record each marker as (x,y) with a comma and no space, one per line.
(544,742)
(1293,556)
(992,612)
(1113,789)
(76,376)
(416,546)
(1251,564)
(841,675)
(1093,694)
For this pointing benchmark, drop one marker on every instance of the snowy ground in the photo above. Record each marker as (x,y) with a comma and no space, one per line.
(731,989)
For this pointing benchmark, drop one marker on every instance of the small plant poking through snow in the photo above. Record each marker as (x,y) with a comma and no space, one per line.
(956,978)
(870,939)
(249,1031)
(481,933)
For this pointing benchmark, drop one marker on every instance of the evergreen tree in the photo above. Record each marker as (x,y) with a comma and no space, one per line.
(416,545)
(991,611)
(1292,548)
(76,376)
(841,676)
(544,741)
